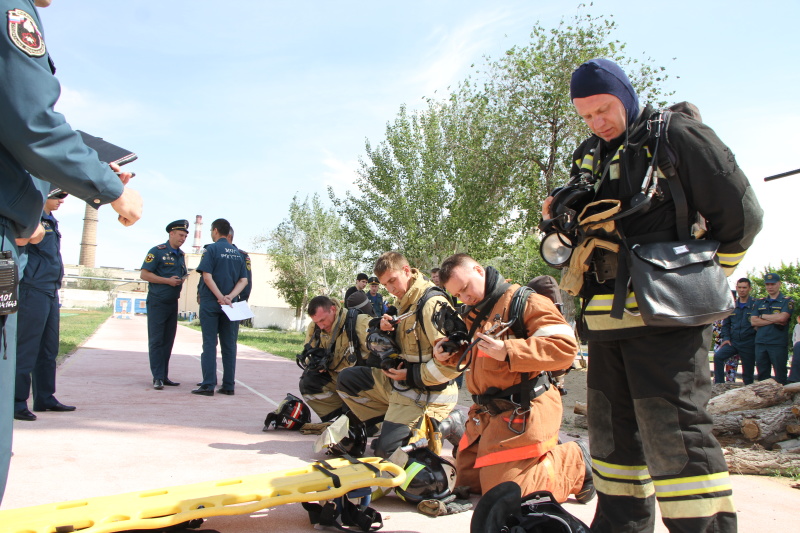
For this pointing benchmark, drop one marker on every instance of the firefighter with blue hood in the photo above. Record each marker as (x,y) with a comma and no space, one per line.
(648,386)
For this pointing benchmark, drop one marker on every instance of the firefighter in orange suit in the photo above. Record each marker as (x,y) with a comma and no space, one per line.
(512,429)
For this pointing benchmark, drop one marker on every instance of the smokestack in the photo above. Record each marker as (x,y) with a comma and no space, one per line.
(89,237)
(197,245)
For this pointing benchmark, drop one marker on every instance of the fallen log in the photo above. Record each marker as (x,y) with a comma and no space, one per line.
(791,388)
(754,396)
(731,423)
(793,429)
(579,409)
(761,462)
(580,421)
(768,426)
(787,446)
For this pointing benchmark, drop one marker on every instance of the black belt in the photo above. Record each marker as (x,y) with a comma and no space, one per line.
(540,384)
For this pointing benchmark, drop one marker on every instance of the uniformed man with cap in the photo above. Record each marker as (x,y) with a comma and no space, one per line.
(37,332)
(376,298)
(770,319)
(164,269)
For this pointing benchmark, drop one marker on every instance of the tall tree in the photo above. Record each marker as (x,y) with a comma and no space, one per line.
(469,174)
(312,253)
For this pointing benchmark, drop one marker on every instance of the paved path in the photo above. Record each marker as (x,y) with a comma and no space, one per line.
(127,437)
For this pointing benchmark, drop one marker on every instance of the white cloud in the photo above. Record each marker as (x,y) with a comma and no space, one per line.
(92,112)
(340,175)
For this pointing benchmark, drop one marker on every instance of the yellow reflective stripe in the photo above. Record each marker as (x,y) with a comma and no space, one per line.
(620,488)
(411,471)
(637,472)
(587,163)
(696,507)
(602,302)
(730,259)
(693,485)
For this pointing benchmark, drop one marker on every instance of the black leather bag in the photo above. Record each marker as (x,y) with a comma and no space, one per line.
(679,283)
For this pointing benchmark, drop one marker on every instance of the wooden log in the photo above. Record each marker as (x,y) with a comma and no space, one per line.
(761,462)
(754,396)
(793,429)
(767,426)
(580,421)
(731,423)
(579,409)
(786,445)
(796,410)
(791,388)
(721,388)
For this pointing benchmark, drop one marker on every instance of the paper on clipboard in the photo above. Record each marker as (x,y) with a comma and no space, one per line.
(238,311)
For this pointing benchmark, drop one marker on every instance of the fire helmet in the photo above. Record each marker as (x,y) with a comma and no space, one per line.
(428,476)
(292,413)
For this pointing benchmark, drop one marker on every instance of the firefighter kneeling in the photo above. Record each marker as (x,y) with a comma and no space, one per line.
(512,429)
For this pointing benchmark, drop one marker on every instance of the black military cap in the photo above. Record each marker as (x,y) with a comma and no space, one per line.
(178,224)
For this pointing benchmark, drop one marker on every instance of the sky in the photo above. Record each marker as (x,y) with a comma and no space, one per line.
(234,109)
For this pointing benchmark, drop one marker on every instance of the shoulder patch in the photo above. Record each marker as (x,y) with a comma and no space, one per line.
(161,246)
(25,34)
(149,258)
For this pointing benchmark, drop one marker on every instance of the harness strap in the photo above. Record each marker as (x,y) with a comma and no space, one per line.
(530,387)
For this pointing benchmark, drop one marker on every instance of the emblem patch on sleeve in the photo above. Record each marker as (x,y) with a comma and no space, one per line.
(25,34)
(149,258)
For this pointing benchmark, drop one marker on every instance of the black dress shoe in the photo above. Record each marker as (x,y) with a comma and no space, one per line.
(24,414)
(169,383)
(58,407)
(204,390)
(229,392)
(158,384)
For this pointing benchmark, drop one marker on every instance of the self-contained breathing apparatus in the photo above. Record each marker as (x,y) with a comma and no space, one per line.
(571,206)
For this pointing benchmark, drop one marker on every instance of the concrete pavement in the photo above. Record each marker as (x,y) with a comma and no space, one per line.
(127,437)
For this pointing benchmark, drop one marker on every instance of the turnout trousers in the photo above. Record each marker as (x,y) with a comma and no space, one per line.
(319,392)
(37,348)
(650,435)
(214,322)
(370,395)
(162,324)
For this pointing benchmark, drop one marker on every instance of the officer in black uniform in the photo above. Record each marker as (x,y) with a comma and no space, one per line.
(38,319)
(164,268)
(38,148)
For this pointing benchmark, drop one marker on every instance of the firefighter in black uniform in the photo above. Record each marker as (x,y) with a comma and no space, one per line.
(164,268)
(648,387)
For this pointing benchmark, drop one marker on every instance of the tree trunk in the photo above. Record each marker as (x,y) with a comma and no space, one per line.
(788,446)
(754,396)
(761,462)
(793,429)
(767,426)
(580,408)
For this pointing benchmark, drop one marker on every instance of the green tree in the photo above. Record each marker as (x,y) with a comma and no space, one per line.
(312,253)
(468,174)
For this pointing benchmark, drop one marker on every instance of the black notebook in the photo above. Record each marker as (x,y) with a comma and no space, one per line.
(107,152)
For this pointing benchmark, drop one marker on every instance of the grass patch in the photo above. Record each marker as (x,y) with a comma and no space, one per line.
(77,325)
(277,342)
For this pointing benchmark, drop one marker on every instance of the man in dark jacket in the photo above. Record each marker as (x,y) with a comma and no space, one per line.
(738,336)
(648,386)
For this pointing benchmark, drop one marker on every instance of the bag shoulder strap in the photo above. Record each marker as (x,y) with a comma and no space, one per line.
(352,336)
(665,163)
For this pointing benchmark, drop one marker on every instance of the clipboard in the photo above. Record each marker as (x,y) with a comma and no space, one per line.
(107,152)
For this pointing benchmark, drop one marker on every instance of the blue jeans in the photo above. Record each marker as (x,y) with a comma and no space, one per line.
(747,355)
(214,322)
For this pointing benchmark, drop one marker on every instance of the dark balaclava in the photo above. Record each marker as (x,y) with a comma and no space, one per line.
(601,76)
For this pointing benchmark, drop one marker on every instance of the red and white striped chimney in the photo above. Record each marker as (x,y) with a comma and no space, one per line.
(197,245)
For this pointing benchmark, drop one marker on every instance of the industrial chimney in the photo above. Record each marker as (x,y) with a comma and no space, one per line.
(197,245)
(89,238)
